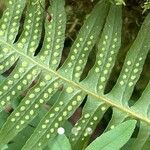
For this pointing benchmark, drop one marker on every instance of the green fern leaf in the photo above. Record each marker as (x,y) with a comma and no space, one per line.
(108,47)
(121,134)
(38,74)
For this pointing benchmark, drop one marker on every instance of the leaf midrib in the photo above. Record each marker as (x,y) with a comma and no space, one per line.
(128,111)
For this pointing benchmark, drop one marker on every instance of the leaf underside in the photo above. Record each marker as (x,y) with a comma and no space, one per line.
(37,73)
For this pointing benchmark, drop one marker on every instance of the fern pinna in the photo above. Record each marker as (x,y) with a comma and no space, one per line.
(39,74)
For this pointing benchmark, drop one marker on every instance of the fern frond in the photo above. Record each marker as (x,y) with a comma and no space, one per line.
(131,70)
(38,72)
(108,47)
(86,39)
(123,130)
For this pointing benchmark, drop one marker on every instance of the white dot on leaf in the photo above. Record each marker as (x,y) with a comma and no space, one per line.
(60,130)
